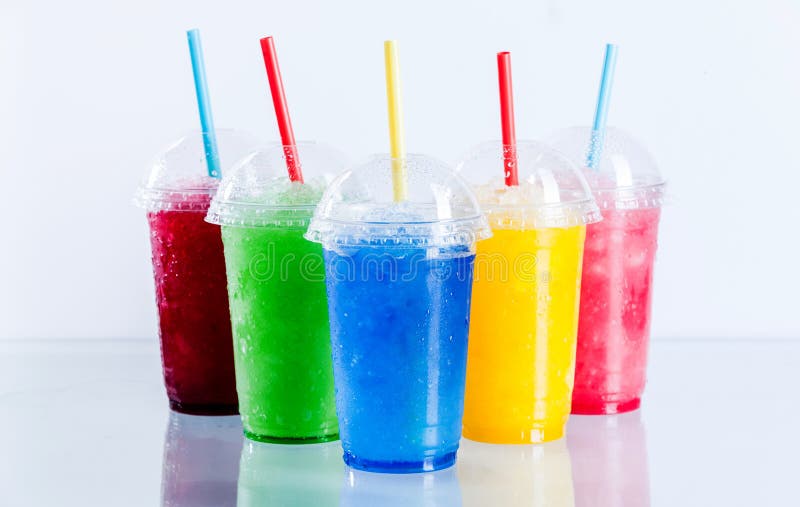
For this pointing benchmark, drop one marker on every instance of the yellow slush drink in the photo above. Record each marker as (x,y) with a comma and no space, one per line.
(525,299)
(524,324)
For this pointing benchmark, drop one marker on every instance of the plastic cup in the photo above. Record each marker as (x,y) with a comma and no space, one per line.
(614,329)
(189,270)
(609,460)
(524,319)
(399,277)
(201,461)
(290,475)
(276,287)
(517,475)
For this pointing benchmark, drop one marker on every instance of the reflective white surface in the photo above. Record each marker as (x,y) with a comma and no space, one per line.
(86,423)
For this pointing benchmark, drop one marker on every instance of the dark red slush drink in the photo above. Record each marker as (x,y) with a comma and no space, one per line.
(192,298)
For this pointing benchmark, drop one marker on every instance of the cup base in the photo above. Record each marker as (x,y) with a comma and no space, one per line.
(514,435)
(291,440)
(212,409)
(605,407)
(429,464)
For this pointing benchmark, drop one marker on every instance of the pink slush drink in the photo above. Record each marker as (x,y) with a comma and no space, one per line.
(614,323)
(616,289)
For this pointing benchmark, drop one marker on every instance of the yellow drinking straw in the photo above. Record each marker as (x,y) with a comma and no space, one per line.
(396,134)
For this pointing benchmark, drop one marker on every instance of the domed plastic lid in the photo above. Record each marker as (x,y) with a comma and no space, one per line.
(551,191)
(257,192)
(626,178)
(178,180)
(358,208)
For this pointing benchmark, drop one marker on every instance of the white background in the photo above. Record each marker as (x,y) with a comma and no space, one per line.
(91,90)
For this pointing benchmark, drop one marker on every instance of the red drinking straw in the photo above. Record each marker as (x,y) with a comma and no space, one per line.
(507,119)
(281,109)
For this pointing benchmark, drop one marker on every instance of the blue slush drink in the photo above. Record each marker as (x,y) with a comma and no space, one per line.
(399,342)
(399,282)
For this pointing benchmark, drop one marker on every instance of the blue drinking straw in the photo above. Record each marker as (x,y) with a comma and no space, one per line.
(204,103)
(601,114)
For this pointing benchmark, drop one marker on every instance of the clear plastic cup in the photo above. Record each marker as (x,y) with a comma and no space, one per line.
(399,277)
(276,286)
(523,325)
(189,270)
(614,329)
(201,460)
(517,475)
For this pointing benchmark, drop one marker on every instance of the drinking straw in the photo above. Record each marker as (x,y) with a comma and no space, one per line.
(396,134)
(281,109)
(204,103)
(601,113)
(507,119)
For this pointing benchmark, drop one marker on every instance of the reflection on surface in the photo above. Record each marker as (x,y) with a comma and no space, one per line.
(201,461)
(609,460)
(290,475)
(431,489)
(511,475)
(605,457)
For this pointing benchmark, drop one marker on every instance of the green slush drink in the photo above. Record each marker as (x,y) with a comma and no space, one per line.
(278,303)
(282,351)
